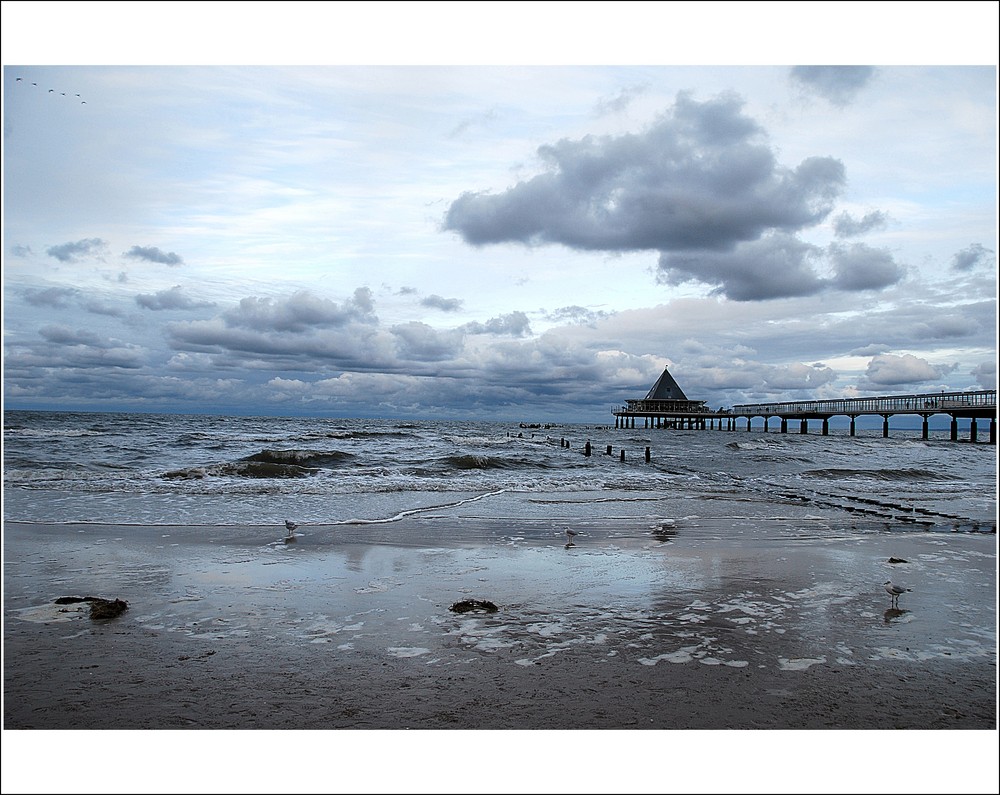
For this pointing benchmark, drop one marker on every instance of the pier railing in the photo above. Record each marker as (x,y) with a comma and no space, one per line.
(982,403)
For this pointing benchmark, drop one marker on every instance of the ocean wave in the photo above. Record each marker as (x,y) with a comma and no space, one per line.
(878,474)
(242,469)
(302,458)
(477,461)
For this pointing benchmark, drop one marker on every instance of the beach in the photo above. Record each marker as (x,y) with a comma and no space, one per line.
(235,631)
(346,628)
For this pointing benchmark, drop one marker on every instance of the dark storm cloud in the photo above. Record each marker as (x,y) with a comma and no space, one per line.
(972,257)
(837,84)
(300,312)
(174,298)
(702,177)
(515,324)
(71,252)
(845,225)
(55,297)
(444,304)
(861,267)
(153,254)
(776,267)
(781,266)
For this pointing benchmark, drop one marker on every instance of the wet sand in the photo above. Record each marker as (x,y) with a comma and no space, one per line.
(350,629)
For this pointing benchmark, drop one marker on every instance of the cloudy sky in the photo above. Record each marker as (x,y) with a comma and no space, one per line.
(313,232)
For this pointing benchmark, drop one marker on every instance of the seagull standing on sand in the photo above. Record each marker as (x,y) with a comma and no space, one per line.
(290,526)
(894,591)
(570,534)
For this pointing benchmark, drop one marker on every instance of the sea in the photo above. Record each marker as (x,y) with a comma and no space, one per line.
(148,470)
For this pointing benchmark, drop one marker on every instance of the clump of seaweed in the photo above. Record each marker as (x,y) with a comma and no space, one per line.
(468,605)
(99,608)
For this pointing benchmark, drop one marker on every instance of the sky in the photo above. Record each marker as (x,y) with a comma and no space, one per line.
(487,223)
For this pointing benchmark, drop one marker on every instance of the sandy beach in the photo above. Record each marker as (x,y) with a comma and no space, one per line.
(346,628)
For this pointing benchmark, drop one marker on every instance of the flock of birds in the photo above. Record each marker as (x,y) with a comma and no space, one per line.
(52,90)
(893,589)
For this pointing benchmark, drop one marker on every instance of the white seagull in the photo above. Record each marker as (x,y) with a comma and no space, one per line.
(894,591)
(570,534)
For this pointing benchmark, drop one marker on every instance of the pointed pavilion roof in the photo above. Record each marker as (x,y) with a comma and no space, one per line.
(665,388)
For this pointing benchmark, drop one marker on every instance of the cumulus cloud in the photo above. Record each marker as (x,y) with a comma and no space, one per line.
(861,267)
(73,252)
(972,257)
(300,312)
(62,348)
(889,370)
(838,85)
(702,177)
(869,350)
(515,324)
(620,101)
(781,266)
(777,266)
(845,225)
(797,376)
(173,298)
(54,297)
(575,314)
(153,254)
(422,343)
(986,375)
(98,307)
(444,304)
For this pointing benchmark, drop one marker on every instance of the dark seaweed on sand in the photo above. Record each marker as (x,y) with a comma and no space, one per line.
(99,608)
(468,605)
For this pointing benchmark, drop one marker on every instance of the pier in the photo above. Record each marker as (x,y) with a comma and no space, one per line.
(666,406)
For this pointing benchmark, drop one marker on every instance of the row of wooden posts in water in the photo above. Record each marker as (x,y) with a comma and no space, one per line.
(588,449)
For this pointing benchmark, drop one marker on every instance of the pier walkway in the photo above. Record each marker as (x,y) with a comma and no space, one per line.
(973,406)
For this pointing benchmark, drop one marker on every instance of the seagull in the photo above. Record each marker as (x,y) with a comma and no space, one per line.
(894,591)
(290,526)
(569,538)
